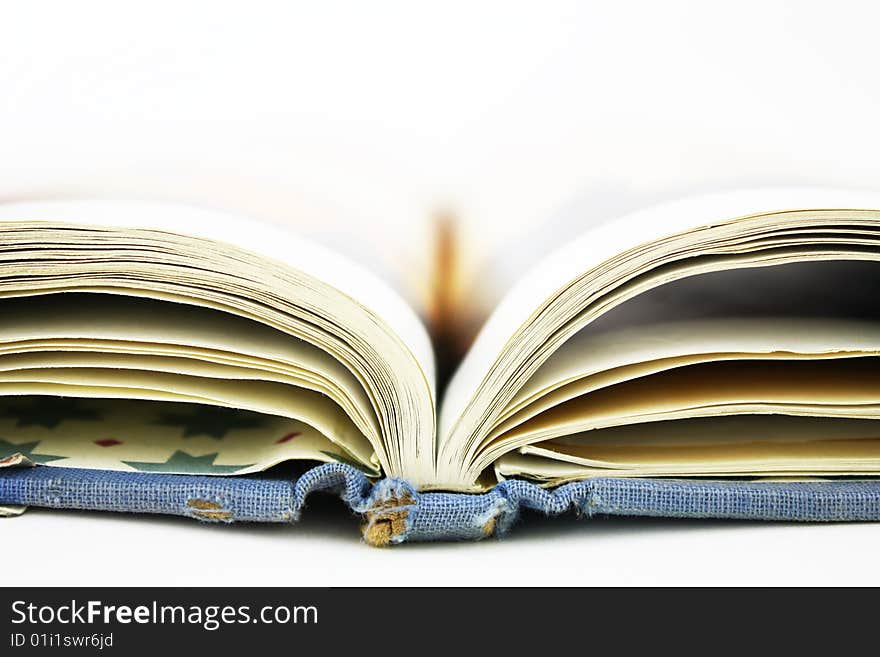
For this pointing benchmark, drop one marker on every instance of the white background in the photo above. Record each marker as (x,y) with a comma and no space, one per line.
(367,116)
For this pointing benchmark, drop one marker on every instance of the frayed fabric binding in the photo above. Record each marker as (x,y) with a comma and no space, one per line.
(386,512)
(394,512)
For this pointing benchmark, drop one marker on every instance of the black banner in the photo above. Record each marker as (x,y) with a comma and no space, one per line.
(126,621)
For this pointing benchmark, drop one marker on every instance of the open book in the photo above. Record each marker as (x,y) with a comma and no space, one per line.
(734,335)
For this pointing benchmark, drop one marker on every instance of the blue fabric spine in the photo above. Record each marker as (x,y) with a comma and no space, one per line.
(394,512)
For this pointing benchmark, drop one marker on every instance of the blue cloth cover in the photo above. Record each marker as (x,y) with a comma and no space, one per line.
(394,512)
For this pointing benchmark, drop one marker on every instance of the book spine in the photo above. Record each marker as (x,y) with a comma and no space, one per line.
(394,512)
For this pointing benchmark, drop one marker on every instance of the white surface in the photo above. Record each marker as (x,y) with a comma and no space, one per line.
(114,550)
(348,114)
(340,115)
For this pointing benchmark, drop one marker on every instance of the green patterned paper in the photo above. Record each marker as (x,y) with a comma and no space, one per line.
(152,436)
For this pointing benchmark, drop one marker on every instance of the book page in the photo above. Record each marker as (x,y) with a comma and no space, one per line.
(125,324)
(347,371)
(804,309)
(727,446)
(601,244)
(584,282)
(121,336)
(263,239)
(847,387)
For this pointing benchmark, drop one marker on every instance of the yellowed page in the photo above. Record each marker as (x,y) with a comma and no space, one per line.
(611,267)
(103,323)
(550,472)
(592,362)
(848,386)
(264,239)
(601,245)
(731,446)
(358,365)
(738,459)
